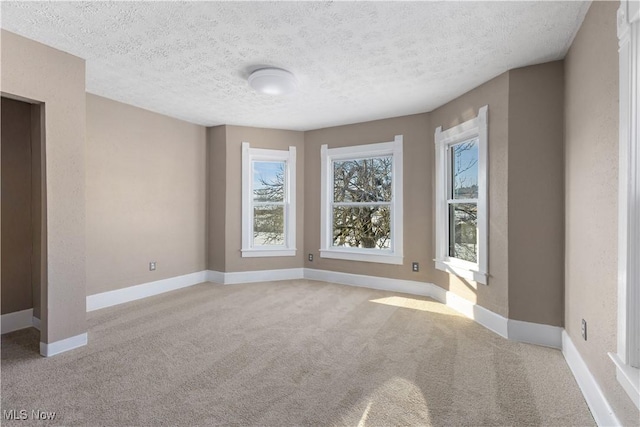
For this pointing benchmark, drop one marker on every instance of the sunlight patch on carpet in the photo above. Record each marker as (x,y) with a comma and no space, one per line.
(414,304)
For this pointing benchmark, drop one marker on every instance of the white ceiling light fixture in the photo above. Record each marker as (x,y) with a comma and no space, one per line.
(273,81)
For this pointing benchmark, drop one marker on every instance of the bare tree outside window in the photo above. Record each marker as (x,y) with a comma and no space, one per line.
(362,203)
(463,202)
(269,186)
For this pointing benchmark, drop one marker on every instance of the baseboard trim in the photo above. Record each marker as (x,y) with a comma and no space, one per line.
(61,346)
(535,333)
(132,293)
(36,322)
(597,402)
(17,320)
(238,277)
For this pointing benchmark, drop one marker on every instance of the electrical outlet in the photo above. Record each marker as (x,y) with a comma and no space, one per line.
(310,257)
(152,266)
(583,329)
(415,266)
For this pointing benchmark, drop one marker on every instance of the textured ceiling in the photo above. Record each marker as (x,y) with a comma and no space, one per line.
(354,61)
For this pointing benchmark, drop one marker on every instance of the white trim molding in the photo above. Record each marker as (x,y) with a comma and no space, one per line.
(596,400)
(17,320)
(516,330)
(393,255)
(288,158)
(51,349)
(627,359)
(445,141)
(132,293)
(239,277)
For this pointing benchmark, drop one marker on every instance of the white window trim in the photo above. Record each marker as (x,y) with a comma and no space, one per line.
(627,359)
(476,127)
(328,155)
(259,154)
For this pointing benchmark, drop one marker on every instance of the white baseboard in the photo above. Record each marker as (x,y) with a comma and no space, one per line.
(237,277)
(597,402)
(372,282)
(15,321)
(36,322)
(535,333)
(61,346)
(132,293)
(215,277)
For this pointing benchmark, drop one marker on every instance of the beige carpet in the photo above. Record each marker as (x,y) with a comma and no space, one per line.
(290,353)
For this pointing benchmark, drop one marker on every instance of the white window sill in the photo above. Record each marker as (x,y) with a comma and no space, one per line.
(360,256)
(629,379)
(257,253)
(461,271)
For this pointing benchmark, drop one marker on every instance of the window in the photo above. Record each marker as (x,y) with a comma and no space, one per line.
(361,216)
(268,202)
(627,357)
(461,199)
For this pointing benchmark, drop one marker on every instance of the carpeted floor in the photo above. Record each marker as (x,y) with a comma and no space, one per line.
(290,353)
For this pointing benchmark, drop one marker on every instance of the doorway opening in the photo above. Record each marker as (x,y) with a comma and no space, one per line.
(23,258)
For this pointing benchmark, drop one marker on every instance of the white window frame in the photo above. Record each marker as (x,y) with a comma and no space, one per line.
(249,155)
(393,255)
(627,359)
(444,140)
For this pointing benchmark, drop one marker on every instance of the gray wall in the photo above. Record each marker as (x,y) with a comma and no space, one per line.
(146,196)
(591,202)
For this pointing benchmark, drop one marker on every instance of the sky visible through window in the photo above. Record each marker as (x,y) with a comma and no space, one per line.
(267,175)
(465,170)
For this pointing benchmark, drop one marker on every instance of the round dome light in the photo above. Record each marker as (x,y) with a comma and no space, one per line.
(273,81)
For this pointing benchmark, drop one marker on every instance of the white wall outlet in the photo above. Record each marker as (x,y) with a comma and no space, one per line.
(415,266)
(152,266)
(583,329)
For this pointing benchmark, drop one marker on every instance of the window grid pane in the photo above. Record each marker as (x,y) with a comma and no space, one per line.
(463,231)
(268,225)
(362,227)
(269,181)
(464,170)
(363,180)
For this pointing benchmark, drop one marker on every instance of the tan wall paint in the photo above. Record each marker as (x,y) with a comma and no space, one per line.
(259,138)
(17,230)
(39,207)
(536,193)
(37,72)
(591,177)
(495,94)
(216,190)
(418,154)
(146,196)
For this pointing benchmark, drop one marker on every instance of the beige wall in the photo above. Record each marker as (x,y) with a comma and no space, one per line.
(536,193)
(591,176)
(39,73)
(17,230)
(495,94)
(216,196)
(146,196)
(418,154)
(259,138)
